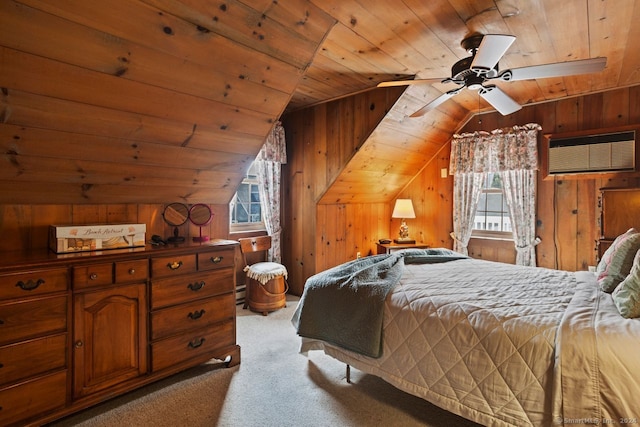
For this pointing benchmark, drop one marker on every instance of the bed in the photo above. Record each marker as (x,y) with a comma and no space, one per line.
(499,344)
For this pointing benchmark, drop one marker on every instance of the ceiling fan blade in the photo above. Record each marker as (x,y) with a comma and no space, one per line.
(433,104)
(491,49)
(410,82)
(499,100)
(558,69)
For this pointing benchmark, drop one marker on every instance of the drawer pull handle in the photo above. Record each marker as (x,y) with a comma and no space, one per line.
(132,271)
(30,285)
(93,276)
(79,344)
(196,286)
(197,342)
(174,265)
(196,314)
(217,259)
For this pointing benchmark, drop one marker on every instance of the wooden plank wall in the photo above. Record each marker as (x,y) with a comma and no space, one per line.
(432,198)
(144,101)
(25,227)
(568,211)
(320,142)
(321,236)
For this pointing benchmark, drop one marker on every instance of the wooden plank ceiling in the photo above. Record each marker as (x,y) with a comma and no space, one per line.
(144,101)
(375,41)
(154,101)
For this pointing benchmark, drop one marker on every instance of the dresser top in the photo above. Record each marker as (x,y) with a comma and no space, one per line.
(46,257)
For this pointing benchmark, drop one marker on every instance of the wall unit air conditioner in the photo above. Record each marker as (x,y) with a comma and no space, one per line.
(605,152)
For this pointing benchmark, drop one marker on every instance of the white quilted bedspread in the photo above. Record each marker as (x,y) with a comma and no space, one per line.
(479,342)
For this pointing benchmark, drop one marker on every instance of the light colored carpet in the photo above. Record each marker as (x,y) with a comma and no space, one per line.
(273,386)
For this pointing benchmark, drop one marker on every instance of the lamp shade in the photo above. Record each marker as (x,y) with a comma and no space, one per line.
(403,209)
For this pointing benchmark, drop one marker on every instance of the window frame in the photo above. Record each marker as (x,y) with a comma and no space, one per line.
(250,178)
(492,234)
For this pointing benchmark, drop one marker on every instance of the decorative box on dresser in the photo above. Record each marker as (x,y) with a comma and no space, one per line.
(78,329)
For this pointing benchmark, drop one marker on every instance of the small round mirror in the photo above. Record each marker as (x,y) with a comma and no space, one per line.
(200,215)
(176,214)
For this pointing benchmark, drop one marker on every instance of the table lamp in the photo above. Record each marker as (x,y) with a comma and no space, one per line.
(403,209)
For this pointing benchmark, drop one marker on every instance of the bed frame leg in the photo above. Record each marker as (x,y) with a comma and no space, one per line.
(349,374)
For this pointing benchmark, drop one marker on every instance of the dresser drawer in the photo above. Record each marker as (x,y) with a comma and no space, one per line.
(215,260)
(193,344)
(36,282)
(198,314)
(173,265)
(92,275)
(31,318)
(120,272)
(30,358)
(33,398)
(132,271)
(165,292)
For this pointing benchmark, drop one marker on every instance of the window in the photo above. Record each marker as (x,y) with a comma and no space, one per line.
(492,214)
(246,213)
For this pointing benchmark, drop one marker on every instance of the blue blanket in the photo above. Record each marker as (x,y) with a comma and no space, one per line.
(345,304)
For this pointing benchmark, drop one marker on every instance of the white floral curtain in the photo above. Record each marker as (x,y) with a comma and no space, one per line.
(467,188)
(512,153)
(271,156)
(519,187)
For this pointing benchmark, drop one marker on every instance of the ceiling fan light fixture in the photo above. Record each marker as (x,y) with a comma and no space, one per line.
(490,51)
(502,102)
(474,81)
(475,71)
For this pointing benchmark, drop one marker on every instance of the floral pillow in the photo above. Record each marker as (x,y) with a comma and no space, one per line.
(627,295)
(617,260)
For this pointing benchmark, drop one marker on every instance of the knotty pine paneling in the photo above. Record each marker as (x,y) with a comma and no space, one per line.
(144,101)
(26,227)
(321,140)
(432,198)
(346,229)
(567,213)
(492,250)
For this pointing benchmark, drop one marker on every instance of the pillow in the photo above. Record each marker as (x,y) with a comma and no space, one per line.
(602,265)
(627,295)
(430,256)
(617,260)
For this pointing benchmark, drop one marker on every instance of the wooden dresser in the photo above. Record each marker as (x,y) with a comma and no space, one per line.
(619,211)
(78,329)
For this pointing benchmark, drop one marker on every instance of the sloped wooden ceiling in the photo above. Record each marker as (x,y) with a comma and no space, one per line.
(380,40)
(152,101)
(144,101)
(397,149)
(375,41)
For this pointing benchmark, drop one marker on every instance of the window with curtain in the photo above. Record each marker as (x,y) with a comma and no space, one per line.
(256,205)
(476,158)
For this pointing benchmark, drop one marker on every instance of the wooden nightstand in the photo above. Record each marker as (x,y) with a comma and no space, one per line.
(387,248)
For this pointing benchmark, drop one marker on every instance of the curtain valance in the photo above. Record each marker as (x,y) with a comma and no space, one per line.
(514,148)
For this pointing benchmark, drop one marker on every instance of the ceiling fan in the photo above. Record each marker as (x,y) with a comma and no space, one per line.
(475,71)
